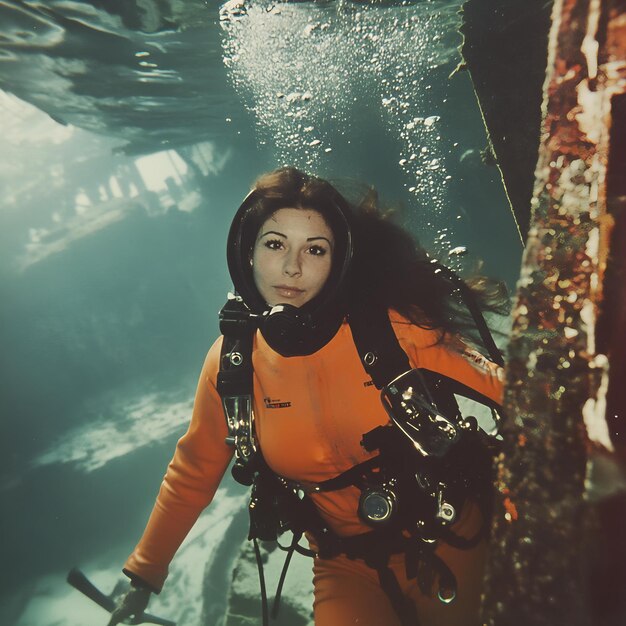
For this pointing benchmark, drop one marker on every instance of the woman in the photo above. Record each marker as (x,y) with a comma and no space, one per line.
(388,550)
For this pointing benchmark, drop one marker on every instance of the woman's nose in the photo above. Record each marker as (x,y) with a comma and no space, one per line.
(292,266)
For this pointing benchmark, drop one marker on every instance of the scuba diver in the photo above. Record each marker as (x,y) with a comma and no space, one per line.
(334,385)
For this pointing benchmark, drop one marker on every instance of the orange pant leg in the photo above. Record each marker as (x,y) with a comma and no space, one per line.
(348,592)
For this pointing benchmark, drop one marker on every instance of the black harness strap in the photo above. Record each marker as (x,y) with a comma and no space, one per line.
(378,347)
(384,359)
(405,609)
(235,383)
(470,302)
(235,375)
(428,568)
(356,475)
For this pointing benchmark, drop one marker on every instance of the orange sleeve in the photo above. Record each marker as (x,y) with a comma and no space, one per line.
(191,480)
(451,357)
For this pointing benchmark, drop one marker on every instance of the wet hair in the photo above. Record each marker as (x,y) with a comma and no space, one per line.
(290,188)
(389,267)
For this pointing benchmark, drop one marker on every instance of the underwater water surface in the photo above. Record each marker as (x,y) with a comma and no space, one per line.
(130,132)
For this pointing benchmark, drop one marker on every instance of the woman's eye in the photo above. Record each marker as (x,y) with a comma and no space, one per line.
(273,244)
(317,250)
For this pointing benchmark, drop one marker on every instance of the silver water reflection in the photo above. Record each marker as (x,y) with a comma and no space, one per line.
(124,69)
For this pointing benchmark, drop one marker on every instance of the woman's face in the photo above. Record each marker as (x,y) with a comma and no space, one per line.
(292,256)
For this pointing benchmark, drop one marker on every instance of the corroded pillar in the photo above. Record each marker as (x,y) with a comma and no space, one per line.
(557,374)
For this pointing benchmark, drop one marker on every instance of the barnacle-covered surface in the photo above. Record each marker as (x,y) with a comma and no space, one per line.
(557,376)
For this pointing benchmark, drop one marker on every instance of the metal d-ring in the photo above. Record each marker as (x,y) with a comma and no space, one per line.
(369,358)
(235,358)
(446,599)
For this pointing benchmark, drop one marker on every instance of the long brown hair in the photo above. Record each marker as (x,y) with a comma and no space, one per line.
(389,267)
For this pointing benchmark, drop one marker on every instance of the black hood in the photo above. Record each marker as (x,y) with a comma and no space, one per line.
(288,330)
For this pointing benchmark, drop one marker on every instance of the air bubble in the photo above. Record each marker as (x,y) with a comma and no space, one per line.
(458,251)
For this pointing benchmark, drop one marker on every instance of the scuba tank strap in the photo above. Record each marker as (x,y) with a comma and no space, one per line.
(379,350)
(469,300)
(387,363)
(235,382)
(404,608)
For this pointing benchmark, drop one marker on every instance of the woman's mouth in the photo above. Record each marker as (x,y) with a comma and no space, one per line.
(285,291)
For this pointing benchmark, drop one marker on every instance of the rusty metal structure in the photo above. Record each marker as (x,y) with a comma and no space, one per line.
(559,476)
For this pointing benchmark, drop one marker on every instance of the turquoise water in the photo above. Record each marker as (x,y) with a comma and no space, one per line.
(125,153)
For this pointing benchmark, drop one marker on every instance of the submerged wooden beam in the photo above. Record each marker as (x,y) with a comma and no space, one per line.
(557,377)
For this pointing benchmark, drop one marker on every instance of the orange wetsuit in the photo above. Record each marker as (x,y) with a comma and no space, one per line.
(311,413)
